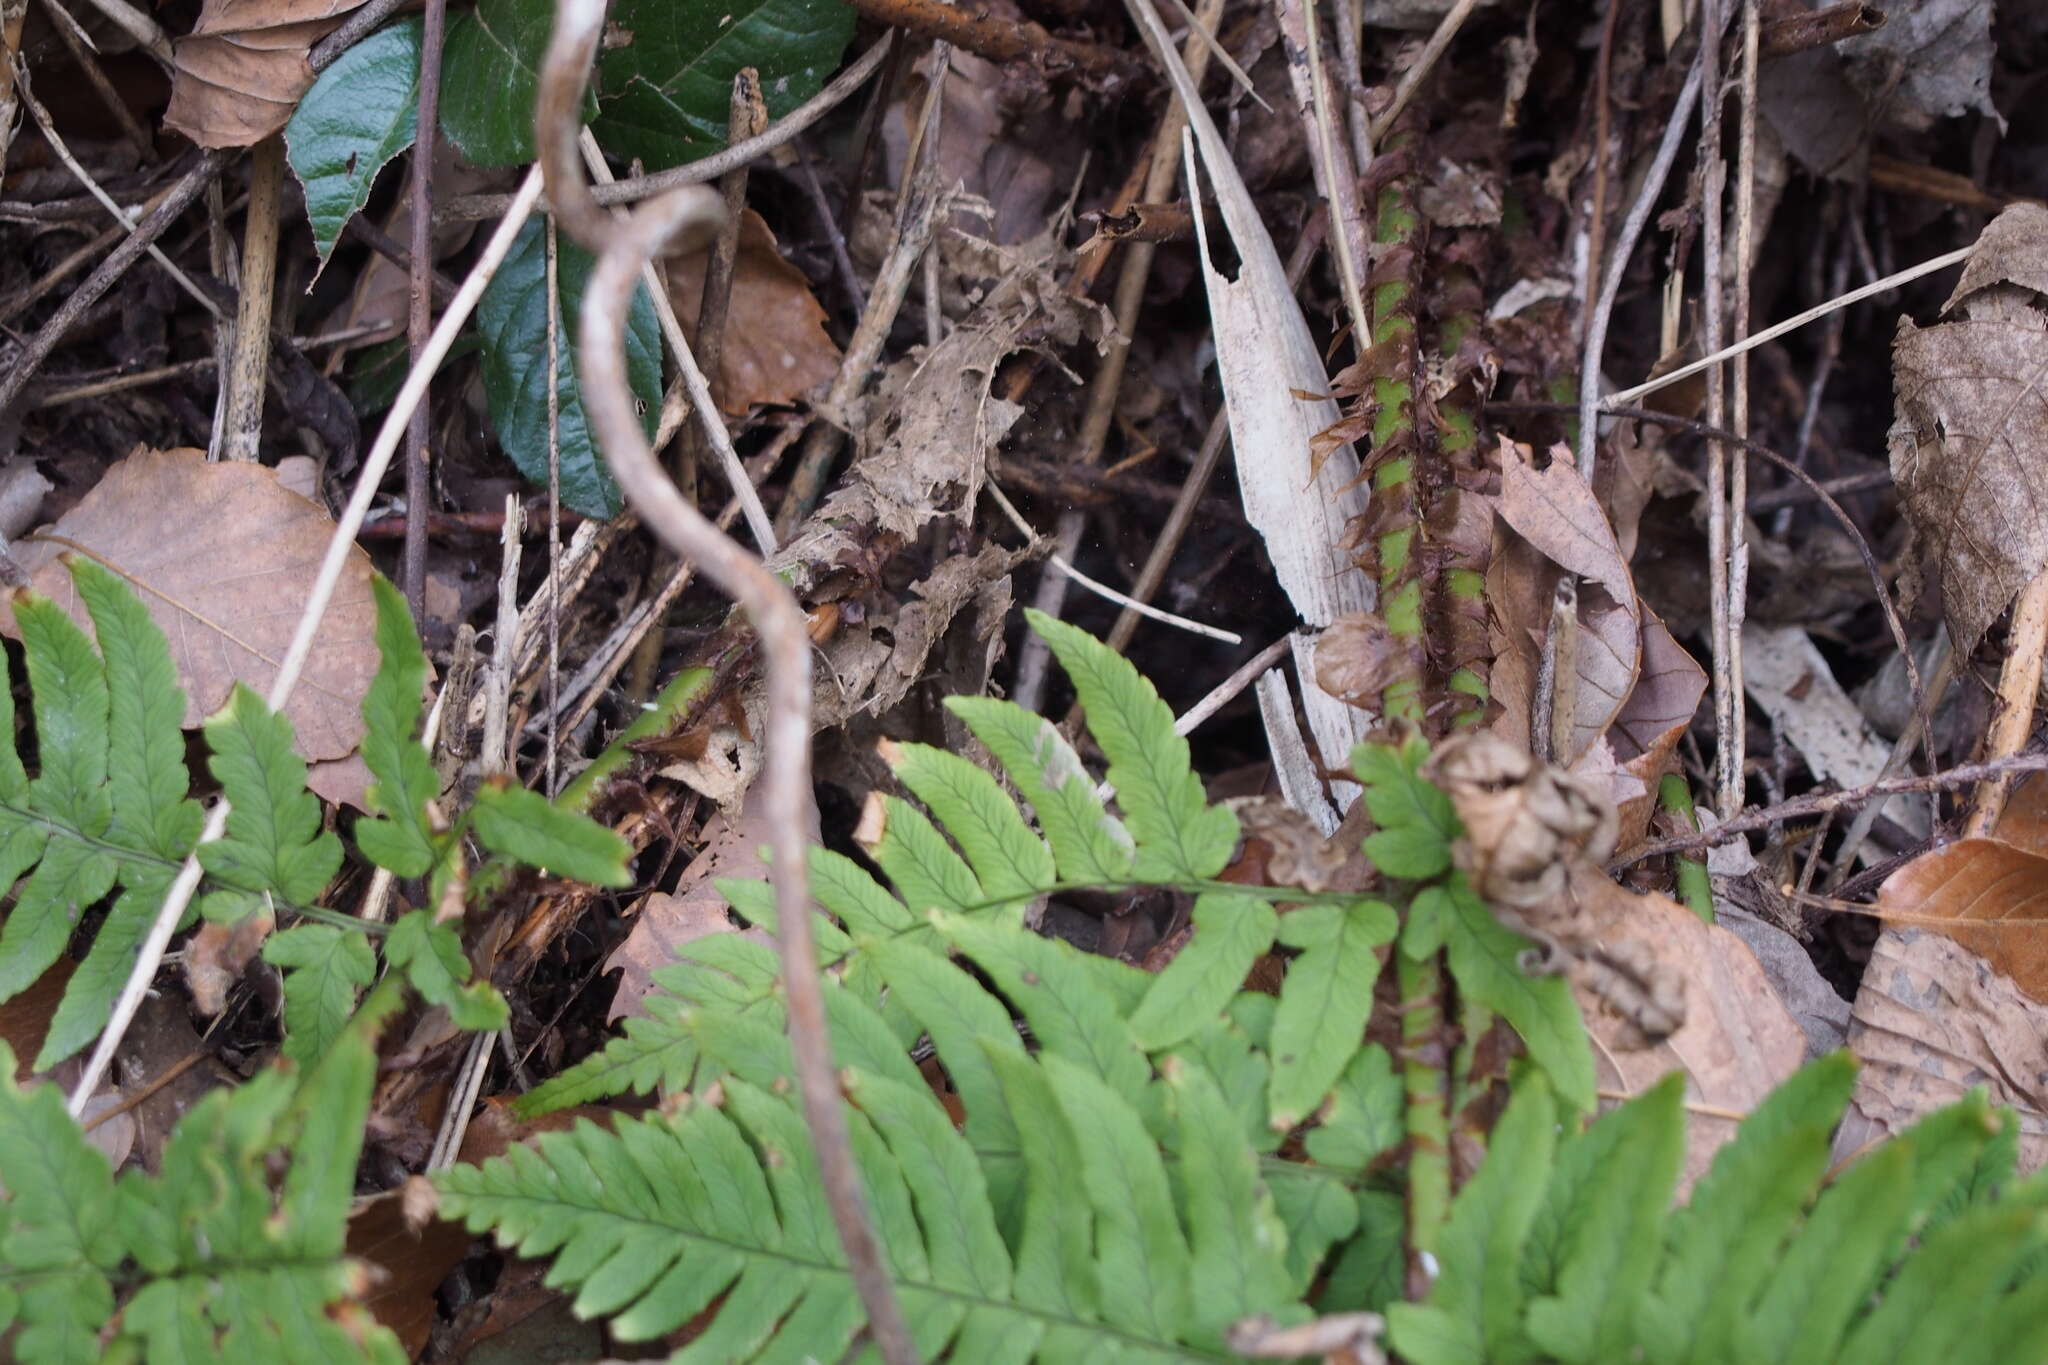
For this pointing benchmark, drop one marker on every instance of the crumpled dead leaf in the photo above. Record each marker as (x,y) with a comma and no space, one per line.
(1660,989)
(1634,688)
(1988,893)
(775,347)
(1972,418)
(237,77)
(1933,1021)
(223,556)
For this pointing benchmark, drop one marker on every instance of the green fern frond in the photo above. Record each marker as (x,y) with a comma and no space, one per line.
(109,809)
(213,1258)
(1576,1256)
(657,1220)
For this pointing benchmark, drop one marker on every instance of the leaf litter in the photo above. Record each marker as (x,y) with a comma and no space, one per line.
(987,369)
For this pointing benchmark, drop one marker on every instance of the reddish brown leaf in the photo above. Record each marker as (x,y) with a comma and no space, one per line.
(775,348)
(1989,894)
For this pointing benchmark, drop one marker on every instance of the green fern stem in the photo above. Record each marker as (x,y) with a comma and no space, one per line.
(1425,1082)
(1457,526)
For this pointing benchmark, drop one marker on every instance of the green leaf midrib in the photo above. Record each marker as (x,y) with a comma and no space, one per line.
(57,827)
(497,1199)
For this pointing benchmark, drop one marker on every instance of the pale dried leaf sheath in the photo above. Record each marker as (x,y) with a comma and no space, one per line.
(1267,360)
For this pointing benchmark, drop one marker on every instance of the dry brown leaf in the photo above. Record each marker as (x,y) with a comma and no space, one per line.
(1993,890)
(1933,1021)
(223,557)
(1738,1041)
(775,347)
(666,922)
(239,75)
(1971,422)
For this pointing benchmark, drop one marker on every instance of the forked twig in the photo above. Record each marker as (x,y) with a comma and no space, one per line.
(623,249)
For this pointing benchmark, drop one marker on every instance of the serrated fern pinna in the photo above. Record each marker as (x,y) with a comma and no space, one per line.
(110,807)
(1153,1158)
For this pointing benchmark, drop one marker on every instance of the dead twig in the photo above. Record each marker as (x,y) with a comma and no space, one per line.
(1799,808)
(249,360)
(1799,31)
(1002,40)
(623,251)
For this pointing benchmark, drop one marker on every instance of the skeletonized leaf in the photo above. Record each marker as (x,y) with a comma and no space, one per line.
(1971,421)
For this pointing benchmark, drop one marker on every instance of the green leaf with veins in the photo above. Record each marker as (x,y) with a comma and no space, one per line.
(360,113)
(664,82)
(512,319)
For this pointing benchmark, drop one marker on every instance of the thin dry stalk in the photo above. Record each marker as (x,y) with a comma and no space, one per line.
(1806,807)
(624,251)
(1728,699)
(497,685)
(1629,397)
(151,952)
(745,116)
(419,313)
(2019,682)
(1734,738)
(48,129)
(554,600)
(249,361)
(137,25)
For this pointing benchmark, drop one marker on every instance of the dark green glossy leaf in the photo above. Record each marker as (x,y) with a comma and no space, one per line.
(360,113)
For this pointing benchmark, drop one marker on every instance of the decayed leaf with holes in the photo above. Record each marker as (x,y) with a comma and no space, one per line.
(1972,419)
(239,74)
(775,348)
(1989,894)
(223,556)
